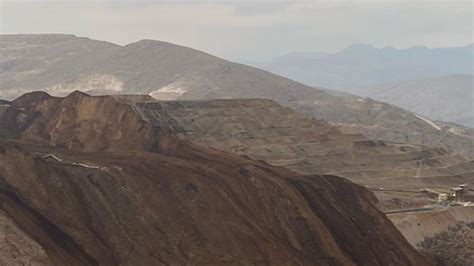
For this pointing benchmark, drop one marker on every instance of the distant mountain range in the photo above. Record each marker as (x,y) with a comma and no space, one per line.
(60,64)
(436,83)
(362,65)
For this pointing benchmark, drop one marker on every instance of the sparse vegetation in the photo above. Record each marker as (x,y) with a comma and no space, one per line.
(451,247)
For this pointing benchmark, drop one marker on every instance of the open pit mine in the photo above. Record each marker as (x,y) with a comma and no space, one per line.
(126,180)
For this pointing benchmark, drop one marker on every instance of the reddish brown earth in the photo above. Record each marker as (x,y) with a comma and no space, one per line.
(80,122)
(83,181)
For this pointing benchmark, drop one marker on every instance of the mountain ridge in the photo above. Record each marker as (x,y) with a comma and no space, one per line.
(170,72)
(362,65)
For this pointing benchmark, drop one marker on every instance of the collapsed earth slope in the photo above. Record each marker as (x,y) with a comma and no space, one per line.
(264,130)
(86,181)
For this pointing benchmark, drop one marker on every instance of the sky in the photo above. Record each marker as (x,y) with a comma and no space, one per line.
(249,30)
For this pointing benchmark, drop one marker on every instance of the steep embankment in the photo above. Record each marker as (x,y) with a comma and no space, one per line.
(75,203)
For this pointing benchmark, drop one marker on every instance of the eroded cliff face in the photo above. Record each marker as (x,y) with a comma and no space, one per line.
(76,192)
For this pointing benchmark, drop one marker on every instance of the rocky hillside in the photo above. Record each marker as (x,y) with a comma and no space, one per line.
(380,120)
(60,64)
(87,181)
(447,98)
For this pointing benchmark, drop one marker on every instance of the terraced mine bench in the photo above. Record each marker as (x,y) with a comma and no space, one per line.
(264,130)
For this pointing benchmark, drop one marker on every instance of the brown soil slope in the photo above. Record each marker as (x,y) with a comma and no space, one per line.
(398,173)
(90,193)
(264,130)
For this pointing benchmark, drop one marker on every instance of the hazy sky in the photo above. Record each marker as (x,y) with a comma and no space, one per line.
(249,29)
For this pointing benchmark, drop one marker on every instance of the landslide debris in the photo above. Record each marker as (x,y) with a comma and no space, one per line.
(87,181)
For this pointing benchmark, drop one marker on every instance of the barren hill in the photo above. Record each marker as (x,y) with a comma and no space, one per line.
(93,180)
(401,175)
(446,98)
(60,64)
